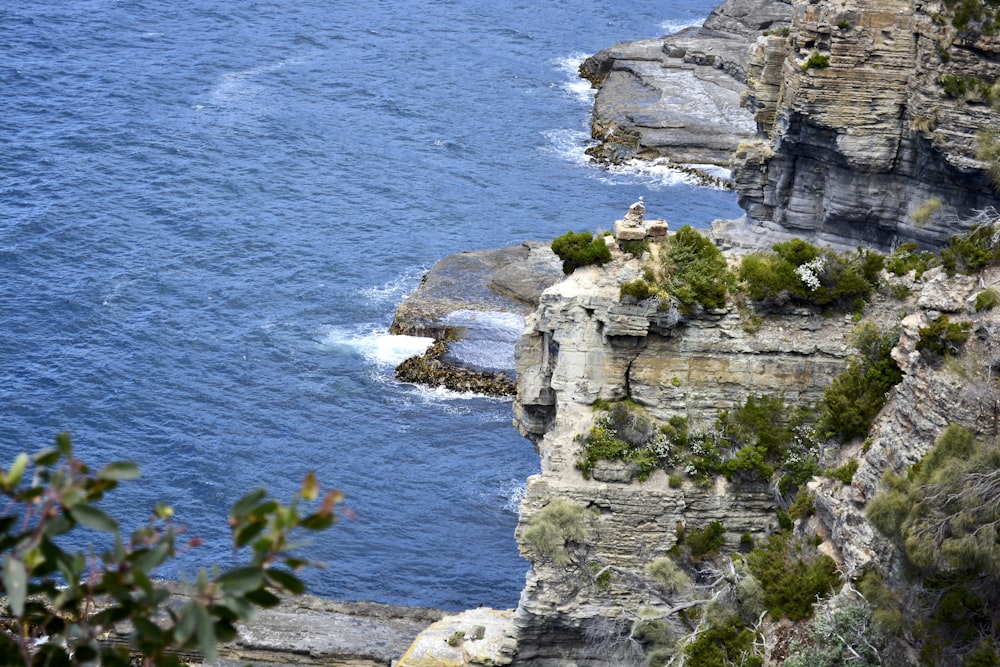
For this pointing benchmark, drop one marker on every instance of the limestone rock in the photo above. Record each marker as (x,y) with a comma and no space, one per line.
(583,344)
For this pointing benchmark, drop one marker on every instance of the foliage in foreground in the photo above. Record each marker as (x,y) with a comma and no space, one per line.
(60,603)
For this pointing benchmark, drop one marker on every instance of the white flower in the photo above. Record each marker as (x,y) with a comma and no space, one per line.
(809,272)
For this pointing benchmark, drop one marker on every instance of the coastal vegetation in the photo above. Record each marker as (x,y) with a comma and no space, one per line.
(764,439)
(62,605)
(798,273)
(577,249)
(943,515)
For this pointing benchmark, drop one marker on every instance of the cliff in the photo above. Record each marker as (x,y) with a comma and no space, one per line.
(583,345)
(867,111)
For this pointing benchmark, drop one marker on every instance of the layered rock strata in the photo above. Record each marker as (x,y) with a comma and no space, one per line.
(584,344)
(868,113)
(678,97)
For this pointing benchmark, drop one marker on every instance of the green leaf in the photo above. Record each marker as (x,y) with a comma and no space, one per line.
(187,623)
(15,581)
(46,457)
(64,445)
(245,533)
(286,581)
(119,471)
(147,630)
(241,580)
(91,517)
(263,598)
(318,521)
(243,506)
(16,471)
(206,633)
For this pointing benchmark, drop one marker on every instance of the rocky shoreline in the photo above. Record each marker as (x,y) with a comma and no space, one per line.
(504,281)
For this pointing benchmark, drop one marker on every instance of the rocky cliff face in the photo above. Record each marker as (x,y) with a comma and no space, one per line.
(583,344)
(855,149)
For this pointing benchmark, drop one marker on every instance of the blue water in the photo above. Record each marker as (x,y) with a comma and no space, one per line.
(209,211)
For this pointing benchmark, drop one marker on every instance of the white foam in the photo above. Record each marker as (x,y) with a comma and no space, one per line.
(378,348)
(393,291)
(676,25)
(569,145)
(578,87)
(513,491)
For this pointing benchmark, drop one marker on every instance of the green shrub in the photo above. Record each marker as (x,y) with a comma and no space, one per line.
(636,290)
(635,248)
(855,396)
(759,428)
(729,644)
(907,258)
(943,337)
(971,253)
(557,529)
(667,575)
(707,540)
(988,299)
(627,434)
(695,271)
(580,249)
(799,273)
(793,575)
(803,507)
(844,473)
(816,60)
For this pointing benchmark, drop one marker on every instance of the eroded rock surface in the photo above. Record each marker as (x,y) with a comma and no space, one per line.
(678,97)
(583,344)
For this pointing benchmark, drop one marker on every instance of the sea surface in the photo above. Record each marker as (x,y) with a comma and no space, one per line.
(209,212)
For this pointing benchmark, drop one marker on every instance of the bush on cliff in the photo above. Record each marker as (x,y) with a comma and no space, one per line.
(580,249)
(942,337)
(559,531)
(799,273)
(854,398)
(695,271)
(794,574)
(944,517)
(61,605)
(626,434)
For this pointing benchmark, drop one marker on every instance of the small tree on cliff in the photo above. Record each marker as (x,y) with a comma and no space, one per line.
(60,604)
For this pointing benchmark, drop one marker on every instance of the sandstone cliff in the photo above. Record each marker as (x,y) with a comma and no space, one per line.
(583,344)
(866,111)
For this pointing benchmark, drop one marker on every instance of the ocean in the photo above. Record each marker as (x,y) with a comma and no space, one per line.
(209,212)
